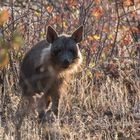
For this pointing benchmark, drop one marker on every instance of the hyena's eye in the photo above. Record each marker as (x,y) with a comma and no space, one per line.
(73,52)
(56,51)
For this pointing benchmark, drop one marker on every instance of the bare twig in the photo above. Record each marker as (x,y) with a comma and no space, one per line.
(116,33)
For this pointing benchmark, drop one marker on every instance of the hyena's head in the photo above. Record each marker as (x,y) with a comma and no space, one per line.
(65,52)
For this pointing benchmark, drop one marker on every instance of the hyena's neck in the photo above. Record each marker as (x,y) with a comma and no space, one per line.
(47,64)
(45,55)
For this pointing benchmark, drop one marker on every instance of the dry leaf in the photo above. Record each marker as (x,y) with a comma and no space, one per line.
(96,37)
(49,8)
(97,1)
(17,42)
(128,2)
(3,58)
(4,16)
(97,12)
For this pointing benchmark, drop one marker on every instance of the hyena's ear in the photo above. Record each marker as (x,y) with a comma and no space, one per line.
(51,34)
(78,34)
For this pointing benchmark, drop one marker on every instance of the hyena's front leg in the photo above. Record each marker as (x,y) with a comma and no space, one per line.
(52,113)
(42,113)
(55,96)
(24,108)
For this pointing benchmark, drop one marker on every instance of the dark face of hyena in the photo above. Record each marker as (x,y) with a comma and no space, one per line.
(64,49)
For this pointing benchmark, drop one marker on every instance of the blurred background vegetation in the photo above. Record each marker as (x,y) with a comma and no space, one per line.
(111,51)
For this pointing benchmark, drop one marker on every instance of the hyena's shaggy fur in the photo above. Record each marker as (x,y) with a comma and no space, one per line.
(47,66)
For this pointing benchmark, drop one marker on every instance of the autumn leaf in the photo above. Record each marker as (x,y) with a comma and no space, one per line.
(96,37)
(97,12)
(71,2)
(42,34)
(106,29)
(135,29)
(128,2)
(4,16)
(98,74)
(134,15)
(49,8)
(90,38)
(94,47)
(126,40)
(111,37)
(92,64)
(107,48)
(97,1)
(17,41)
(3,57)
(89,73)
(124,28)
(65,24)
(21,27)
(36,13)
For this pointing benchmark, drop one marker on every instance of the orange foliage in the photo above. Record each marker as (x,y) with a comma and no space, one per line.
(97,12)
(49,8)
(94,48)
(72,2)
(97,1)
(3,58)
(4,16)
(128,2)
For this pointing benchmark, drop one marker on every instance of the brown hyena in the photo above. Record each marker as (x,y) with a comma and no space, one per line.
(46,68)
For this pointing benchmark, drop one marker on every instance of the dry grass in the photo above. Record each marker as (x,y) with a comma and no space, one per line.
(107,111)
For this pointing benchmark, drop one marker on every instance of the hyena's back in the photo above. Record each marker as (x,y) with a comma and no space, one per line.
(33,78)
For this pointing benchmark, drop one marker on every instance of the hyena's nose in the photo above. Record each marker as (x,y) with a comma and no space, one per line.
(66,63)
